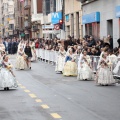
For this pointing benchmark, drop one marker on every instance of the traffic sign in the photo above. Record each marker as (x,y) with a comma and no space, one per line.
(56,27)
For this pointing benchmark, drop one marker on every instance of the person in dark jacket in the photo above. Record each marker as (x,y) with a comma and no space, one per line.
(28,52)
(118,43)
(91,42)
(14,46)
(9,46)
(111,41)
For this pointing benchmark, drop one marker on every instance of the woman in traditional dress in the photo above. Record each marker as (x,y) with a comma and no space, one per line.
(70,68)
(22,44)
(7,77)
(2,46)
(112,60)
(34,56)
(60,60)
(20,61)
(85,71)
(104,76)
(116,70)
(28,52)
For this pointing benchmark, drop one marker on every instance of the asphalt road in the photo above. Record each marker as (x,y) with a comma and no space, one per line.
(44,95)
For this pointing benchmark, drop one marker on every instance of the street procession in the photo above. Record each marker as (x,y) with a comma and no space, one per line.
(59,59)
(85,50)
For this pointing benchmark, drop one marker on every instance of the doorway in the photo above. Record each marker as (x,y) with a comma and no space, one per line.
(110,27)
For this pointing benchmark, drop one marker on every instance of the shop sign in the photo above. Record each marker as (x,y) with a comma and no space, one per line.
(56,17)
(90,18)
(117,11)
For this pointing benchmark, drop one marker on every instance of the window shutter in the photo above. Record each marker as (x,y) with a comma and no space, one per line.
(39,6)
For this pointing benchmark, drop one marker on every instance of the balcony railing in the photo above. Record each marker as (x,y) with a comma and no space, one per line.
(27,4)
(35,28)
(87,1)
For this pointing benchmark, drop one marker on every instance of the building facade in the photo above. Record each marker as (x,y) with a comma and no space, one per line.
(8,18)
(101,18)
(0,20)
(19,19)
(36,14)
(73,18)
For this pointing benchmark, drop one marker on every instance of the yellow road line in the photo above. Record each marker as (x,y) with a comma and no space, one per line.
(32,95)
(22,87)
(19,84)
(27,91)
(45,106)
(38,100)
(55,115)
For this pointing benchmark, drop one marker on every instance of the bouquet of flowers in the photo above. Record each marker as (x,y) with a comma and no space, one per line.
(9,67)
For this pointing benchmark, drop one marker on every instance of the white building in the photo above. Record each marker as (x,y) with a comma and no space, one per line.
(101,17)
(51,18)
(8,20)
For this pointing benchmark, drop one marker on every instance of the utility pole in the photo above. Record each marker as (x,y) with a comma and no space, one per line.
(63,16)
(63,13)
(52,10)
(44,15)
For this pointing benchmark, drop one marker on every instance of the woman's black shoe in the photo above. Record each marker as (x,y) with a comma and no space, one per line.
(7,88)
(30,67)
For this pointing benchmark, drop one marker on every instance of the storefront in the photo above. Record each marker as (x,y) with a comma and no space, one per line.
(91,24)
(118,16)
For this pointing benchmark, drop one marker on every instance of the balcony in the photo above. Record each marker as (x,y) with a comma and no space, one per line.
(10,32)
(87,1)
(27,4)
(35,28)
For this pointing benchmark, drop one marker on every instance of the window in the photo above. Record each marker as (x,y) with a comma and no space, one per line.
(93,29)
(54,5)
(47,7)
(67,18)
(11,27)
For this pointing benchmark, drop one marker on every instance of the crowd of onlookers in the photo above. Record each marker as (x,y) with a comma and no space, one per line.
(11,45)
(93,47)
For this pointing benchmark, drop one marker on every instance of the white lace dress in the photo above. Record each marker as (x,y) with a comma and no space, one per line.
(34,56)
(105,76)
(84,70)
(6,77)
(60,61)
(116,69)
(20,61)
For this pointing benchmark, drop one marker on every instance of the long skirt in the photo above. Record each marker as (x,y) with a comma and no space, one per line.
(60,64)
(85,73)
(7,79)
(70,69)
(20,63)
(34,56)
(117,68)
(105,77)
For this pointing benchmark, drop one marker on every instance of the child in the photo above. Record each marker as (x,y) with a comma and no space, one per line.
(104,75)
